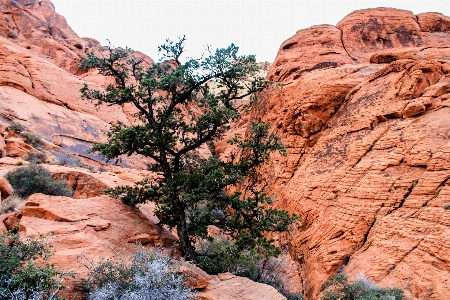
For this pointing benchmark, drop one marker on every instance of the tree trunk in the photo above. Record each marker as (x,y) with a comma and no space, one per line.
(187,250)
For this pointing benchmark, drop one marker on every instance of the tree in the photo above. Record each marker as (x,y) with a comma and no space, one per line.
(191,193)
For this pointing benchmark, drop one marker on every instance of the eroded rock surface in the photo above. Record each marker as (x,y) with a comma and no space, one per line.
(227,286)
(90,228)
(368,151)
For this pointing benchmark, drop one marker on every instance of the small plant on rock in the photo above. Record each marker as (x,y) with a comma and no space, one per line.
(36,179)
(447,206)
(338,288)
(16,127)
(33,140)
(36,157)
(66,158)
(150,274)
(11,204)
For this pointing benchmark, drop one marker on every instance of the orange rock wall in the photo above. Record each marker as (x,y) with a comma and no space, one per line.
(365,115)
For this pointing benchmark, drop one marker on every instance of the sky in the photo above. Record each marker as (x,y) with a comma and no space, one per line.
(257,27)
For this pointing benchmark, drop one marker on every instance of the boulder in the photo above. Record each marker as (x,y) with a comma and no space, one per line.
(196,278)
(6,189)
(12,221)
(227,286)
(370,30)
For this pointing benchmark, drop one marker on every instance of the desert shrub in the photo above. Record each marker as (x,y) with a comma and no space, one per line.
(36,179)
(19,161)
(11,204)
(101,169)
(295,296)
(21,277)
(66,158)
(220,256)
(338,288)
(33,140)
(16,127)
(447,206)
(36,157)
(12,36)
(150,274)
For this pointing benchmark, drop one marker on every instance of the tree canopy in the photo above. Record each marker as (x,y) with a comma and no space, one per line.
(192,192)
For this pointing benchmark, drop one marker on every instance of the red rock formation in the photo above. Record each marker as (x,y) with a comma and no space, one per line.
(39,55)
(91,228)
(364,113)
(368,162)
(227,286)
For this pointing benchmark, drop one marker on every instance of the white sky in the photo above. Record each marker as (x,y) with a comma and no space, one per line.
(257,27)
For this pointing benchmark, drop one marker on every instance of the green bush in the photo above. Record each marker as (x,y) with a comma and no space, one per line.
(16,127)
(338,288)
(21,277)
(33,140)
(447,206)
(150,274)
(295,296)
(220,256)
(36,157)
(36,179)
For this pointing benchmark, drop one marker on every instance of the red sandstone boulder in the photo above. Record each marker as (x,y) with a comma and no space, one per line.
(370,30)
(6,189)
(227,286)
(315,48)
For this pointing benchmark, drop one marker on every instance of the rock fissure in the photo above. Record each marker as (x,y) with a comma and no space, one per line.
(343,46)
(26,69)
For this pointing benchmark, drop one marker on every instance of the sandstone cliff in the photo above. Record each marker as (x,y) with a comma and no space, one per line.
(39,55)
(365,115)
(364,112)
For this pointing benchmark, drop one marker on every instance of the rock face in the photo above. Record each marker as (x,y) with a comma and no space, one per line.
(227,286)
(365,115)
(39,55)
(90,228)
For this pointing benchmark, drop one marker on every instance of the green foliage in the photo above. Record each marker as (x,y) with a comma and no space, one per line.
(338,288)
(295,296)
(21,277)
(33,140)
(16,127)
(36,157)
(36,179)
(149,274)
(191,194)
(222,255)
(446,206)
